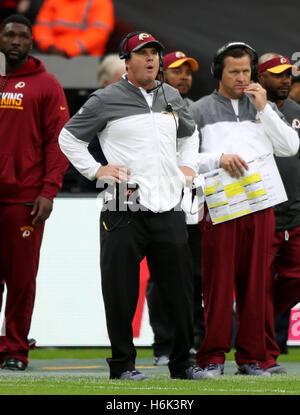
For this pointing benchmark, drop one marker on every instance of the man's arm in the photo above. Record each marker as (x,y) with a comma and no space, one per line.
(77,152)
(75,137)
(188,156)
(41,210)
(54,115)
(188,144)
(79,131)
(284,139)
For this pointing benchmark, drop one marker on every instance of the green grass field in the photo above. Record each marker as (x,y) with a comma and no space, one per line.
(102,353)
(53,372)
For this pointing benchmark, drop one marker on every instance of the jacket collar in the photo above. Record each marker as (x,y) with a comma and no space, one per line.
(225,100)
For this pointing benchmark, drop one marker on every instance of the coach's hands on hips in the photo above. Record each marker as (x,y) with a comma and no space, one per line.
(116,173)
(189,175)
(41,210)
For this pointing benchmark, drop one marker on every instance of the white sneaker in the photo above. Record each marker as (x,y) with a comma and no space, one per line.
(162,360)
(213,369)
(193,372)
(132,375)
(276,370)
(252,369)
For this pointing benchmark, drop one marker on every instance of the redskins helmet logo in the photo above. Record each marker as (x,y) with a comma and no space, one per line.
(20,85)
(282,60)
(144,36)
(26,231)
(296,124)
(180,55)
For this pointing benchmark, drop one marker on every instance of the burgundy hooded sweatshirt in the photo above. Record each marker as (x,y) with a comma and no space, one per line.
(33,110)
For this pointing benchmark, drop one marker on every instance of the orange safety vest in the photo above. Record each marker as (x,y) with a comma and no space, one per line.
(79,27)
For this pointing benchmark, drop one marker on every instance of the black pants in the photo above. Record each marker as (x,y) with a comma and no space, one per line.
(159,314)
(282,324)
(126,238)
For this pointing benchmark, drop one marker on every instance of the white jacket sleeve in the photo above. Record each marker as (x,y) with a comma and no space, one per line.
(208,162)
(188,155)
(77,152)
(284,138)
(188,151)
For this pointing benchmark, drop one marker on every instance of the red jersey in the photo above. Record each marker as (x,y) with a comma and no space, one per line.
(33,110)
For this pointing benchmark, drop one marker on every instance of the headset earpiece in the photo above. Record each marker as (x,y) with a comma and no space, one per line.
(217,65)
(123,54)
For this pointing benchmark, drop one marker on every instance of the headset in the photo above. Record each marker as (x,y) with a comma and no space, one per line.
(123,54)
(217,65)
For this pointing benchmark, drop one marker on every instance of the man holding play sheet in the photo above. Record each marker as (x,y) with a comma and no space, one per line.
(237,124)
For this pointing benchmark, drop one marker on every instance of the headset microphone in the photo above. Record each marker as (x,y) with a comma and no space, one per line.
(153,89)
(161,64)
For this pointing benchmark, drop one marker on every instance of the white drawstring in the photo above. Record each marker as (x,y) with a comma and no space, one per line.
(286,236)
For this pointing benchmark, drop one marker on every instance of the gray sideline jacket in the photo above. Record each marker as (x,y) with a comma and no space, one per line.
(251,135)
(145,140)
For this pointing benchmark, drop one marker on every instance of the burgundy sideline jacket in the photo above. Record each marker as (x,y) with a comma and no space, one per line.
(33,110)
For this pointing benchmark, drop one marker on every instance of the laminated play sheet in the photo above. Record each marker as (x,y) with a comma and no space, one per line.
(260,187)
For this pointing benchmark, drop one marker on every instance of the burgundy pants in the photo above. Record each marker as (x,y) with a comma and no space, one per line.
(236,258)
(19,258)
(286,248)
(286,283)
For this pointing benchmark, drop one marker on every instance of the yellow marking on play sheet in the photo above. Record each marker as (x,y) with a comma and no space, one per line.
(209,190)
(244,212)
(254,178)
(234,189)
(232,216)
(219,204)
(258,193)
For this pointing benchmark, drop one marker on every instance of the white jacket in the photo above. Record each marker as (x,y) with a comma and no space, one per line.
(143,139)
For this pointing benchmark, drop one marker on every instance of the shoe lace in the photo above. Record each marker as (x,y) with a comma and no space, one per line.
(255,366)
(196,368)
(212,366)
